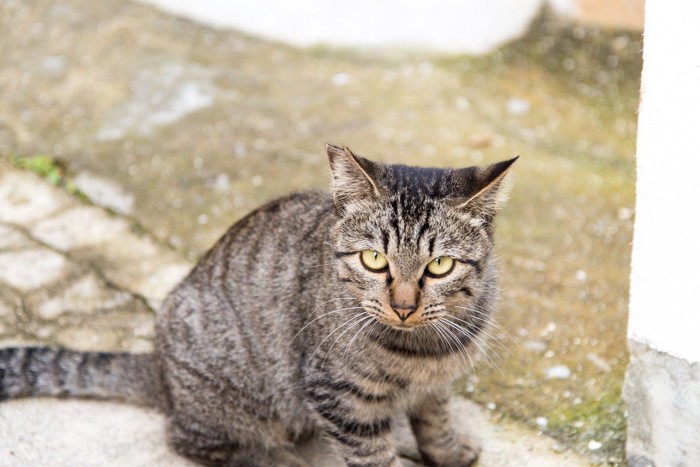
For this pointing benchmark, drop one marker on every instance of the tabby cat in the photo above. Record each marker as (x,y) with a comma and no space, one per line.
(314,313)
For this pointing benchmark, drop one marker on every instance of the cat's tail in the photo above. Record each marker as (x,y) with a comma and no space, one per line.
(58,372)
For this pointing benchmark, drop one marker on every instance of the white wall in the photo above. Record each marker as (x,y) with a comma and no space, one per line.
(453,26)
(665,285)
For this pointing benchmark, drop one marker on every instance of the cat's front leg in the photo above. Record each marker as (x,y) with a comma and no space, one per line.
(358,425)
(377,452)
(360,441)
(438,443)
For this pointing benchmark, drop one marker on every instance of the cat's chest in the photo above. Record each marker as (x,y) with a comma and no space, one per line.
(416,372)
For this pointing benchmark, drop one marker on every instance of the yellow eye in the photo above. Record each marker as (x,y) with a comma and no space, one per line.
(440,266)
(373,260)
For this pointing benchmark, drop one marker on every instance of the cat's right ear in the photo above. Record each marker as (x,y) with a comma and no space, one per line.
(353,177)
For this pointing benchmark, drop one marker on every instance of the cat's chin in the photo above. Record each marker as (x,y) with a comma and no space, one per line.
(399,326)
(404,327)
(409,325)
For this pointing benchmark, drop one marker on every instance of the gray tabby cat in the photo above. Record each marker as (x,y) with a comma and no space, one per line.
(312,313)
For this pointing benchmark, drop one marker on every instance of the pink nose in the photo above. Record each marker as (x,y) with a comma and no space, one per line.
(403,311)
(403,298)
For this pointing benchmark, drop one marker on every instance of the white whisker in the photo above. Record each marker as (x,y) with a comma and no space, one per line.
(478,336)
(460,347)
(347,347)
(355,323)
(352,320)
(486,317)
(326,302)
(489,322)
(480,343)
(319,317)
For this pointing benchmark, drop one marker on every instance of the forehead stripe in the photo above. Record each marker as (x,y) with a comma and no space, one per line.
(394,219)
(385,241)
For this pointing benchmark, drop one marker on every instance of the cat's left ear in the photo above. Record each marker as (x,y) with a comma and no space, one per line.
(484,189)
(354,177)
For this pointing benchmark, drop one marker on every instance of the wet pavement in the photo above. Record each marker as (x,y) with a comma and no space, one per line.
(167,132)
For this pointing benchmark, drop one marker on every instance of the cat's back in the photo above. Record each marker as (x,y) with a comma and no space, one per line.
(269,237)
(256,281)
(232,322)
(289,217)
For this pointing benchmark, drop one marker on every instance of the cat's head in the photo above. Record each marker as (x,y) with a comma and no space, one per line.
(414,244)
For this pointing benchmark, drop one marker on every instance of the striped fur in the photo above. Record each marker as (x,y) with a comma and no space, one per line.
(57,372)
(280,331)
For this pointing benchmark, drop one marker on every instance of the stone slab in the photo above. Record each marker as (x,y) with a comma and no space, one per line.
(663,402)
(66,433)
(24,201)
(46,268)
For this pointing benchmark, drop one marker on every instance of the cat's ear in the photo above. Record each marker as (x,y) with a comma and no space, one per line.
(484,189)
(354,177)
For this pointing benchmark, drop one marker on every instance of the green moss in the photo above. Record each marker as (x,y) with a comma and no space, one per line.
(598,420)
(40,164)
(50,168)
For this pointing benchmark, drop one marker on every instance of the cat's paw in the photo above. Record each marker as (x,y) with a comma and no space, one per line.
(464,453)
(468,452)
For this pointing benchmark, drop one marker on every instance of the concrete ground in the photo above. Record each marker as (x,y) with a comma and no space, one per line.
(152,134)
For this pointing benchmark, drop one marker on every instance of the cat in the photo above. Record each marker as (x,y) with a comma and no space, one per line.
(317,312)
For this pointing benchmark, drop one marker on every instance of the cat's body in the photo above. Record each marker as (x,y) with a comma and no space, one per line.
(312,314)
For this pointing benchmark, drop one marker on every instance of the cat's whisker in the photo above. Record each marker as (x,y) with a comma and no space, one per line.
(385,329)
(482,332)
(483,314)
(485,318)
(475,310)
(432,312)
(347,347)
(491,323)
(352,320)
(445,336)
(489,320)
(478,342)
(356,323)
(448,339)
(439,326)
(476,339)
(326,302)
(486,353)
(319,317)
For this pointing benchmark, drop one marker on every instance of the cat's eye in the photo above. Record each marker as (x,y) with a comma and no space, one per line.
(373,260)
(440,266)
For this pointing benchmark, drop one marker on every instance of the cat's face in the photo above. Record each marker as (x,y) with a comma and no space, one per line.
(413,244)
(411,272)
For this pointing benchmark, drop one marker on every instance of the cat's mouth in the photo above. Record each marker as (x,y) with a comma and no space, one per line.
(400,319)
(394,322)
(405,326)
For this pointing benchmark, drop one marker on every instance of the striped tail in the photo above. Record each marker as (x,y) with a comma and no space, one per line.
(58,372)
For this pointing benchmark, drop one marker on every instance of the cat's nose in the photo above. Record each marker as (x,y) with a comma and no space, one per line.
(403,311)
(403,299)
